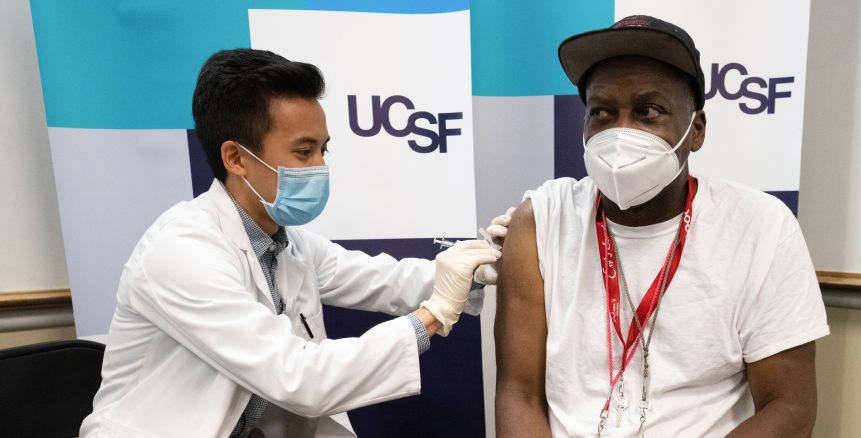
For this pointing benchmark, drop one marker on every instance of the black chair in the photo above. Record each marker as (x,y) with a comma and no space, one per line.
(47,389)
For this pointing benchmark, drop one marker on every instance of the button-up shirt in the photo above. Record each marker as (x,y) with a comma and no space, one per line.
(267,248)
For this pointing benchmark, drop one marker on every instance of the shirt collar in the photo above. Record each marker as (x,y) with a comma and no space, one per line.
(260,241)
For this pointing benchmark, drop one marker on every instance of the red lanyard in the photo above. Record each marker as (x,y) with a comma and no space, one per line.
(611,285)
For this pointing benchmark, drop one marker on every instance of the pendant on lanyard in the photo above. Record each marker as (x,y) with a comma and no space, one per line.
(612,274)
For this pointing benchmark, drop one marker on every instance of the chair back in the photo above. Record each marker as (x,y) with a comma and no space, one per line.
(47,389)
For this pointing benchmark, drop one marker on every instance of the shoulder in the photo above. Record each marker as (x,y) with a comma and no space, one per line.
(523,218)
(184,251)
(562,188)
(185,233)
(724,192)
(519,252)
(744,207)
(561,200)
(308,246)
(559,192)
(185,218)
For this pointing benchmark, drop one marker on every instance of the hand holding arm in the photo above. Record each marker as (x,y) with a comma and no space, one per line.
(498,228)
(455,268)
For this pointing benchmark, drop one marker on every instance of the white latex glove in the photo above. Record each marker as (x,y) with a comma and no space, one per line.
(487,274)
(453,279)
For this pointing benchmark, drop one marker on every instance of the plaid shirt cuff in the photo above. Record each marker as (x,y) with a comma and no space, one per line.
(422,337)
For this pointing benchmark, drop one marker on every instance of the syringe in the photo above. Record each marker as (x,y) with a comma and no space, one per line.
(445,243)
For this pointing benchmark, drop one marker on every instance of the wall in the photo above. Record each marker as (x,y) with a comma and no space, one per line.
(830,194)
(30,230)
(838,358)
(830,199)
(32,256)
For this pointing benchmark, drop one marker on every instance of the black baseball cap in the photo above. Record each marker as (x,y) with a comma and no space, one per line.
(639,35)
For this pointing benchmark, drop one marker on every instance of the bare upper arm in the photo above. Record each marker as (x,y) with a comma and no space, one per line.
(788,377)
(520,329)
(783,387)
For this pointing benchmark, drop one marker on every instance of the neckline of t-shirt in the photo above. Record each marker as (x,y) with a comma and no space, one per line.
(646,231)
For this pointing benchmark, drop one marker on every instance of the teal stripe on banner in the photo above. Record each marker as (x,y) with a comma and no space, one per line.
(514,43)
(384,6)
(129,64)
(133,64)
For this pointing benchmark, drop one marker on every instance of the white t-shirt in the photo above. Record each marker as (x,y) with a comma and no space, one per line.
(745,289)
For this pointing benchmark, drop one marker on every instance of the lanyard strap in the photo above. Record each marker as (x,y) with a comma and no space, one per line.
(609,268)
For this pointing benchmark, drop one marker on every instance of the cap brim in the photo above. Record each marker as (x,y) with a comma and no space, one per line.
(580,52)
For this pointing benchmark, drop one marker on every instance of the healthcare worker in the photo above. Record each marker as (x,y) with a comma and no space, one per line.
(218,330)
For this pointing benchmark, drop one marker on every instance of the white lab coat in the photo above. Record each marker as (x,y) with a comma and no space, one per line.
(194,332)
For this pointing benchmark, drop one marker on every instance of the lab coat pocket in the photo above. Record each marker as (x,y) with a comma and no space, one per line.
(310,324)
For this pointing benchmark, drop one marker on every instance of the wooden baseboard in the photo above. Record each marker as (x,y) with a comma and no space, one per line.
(63,297)
(840,280)
(36,299)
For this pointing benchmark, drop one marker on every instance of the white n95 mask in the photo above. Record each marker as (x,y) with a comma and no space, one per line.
(630,166)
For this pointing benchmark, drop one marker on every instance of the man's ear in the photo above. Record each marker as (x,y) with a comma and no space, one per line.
(698,131)
(232,158)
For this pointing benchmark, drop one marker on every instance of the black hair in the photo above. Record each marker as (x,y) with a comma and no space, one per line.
(231,99)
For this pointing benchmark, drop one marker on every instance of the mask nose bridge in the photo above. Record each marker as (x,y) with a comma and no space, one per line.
(626,123)
(623,126)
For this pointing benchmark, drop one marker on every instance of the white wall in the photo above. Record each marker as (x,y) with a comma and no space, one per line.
(31,253)
(830,199)
(830,195)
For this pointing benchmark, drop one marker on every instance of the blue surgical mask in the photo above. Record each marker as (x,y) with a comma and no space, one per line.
(302,193)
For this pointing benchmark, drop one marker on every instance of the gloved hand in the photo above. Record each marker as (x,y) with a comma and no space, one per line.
(487,274)
(453,279)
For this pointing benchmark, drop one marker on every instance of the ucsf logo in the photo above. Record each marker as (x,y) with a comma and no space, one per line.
(758,94)
(436,137)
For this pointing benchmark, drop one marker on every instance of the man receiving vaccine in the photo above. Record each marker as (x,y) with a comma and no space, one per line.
(644,300)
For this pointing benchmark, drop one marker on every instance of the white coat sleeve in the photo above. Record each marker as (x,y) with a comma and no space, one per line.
(190,284)
(355,280)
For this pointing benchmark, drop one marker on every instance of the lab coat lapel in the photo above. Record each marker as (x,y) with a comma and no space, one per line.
(231,225)
(292,277)
(263,293)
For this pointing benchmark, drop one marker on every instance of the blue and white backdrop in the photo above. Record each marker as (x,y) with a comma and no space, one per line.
(442,113)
